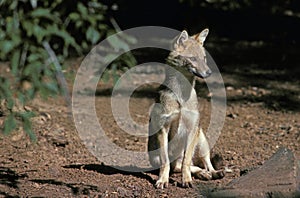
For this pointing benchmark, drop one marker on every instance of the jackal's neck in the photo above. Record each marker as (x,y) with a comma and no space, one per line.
(178,79)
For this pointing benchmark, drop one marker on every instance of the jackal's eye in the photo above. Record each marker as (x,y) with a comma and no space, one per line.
(193,59)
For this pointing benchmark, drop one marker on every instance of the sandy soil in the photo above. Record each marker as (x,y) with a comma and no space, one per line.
(260,118)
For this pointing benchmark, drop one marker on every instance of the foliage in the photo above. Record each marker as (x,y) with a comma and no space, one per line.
(69,27)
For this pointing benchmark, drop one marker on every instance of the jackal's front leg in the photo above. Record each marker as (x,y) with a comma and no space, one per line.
(163,180)
(187,159)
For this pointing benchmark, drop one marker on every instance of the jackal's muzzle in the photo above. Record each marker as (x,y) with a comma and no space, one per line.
(204,74)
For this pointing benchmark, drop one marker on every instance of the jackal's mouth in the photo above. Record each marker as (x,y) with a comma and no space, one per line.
(200,74)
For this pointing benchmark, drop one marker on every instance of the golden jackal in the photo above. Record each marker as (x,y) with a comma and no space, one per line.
(175,139)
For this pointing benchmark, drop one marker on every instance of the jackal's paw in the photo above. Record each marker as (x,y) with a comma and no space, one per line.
(187,181)
(203,175)
(218,174)
(160,184)
(187,184)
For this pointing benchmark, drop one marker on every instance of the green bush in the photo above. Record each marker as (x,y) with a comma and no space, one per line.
(27,28)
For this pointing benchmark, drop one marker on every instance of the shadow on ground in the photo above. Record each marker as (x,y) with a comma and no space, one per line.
(260,65)
(76,188)
(9,178)
(107,170)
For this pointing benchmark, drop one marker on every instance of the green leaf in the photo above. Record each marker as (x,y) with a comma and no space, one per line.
(84,45)
(28,129)
(12,23)
(30,93)
(52,87)
(102,27)
(114,73)
(105,76)
(79,23)
(10,103)
(68,39)
(117,43)
(129,38)
(44,13)
(129,60)
(74,16)
(28,26)
(33,3)
(31,69)
(33,57)
(2,34)
(92,35)
(109,58)
(95,4)
(15,59)
(21,97)
(39,33)
(16,38)
(98,17)
(13,5)
(9,24)
(40,12)
(6,46)
(5,86)
(9,124)
(26,115)
(82,9)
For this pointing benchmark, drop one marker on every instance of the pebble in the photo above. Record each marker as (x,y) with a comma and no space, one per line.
(228,170)
(232,115)
(229,88)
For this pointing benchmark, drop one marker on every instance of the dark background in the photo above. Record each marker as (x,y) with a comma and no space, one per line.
(257,33)
(254,41)
(260,20)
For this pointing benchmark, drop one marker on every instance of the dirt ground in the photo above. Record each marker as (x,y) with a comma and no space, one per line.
(262,115)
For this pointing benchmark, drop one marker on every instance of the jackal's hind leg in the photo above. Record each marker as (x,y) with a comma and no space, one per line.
(215,174)
(202,155)
(200,173)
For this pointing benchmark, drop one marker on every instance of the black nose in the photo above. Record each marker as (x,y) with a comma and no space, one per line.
(208,73)
(205,74)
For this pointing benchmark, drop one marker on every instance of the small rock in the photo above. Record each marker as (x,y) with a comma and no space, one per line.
(175,184)
(46,115)
(245,171)
(285,127)
(247,124)
(122,192)
(210,94)
(36,185)
(164,195)
(228,170)
(18,135)
(232,115)
(229,88)
(28,108)
(276,177)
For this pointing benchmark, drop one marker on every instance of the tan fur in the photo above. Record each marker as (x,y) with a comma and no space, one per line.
(175,139)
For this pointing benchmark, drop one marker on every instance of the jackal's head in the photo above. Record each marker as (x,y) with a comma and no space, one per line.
(189,53)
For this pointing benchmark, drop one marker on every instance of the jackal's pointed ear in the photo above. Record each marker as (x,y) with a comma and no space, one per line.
(182,37)
(200,37)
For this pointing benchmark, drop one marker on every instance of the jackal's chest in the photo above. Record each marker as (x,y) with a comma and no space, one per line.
(179,111)
(189,116)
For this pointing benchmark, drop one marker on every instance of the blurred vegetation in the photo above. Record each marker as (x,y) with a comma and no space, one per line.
(30,30)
